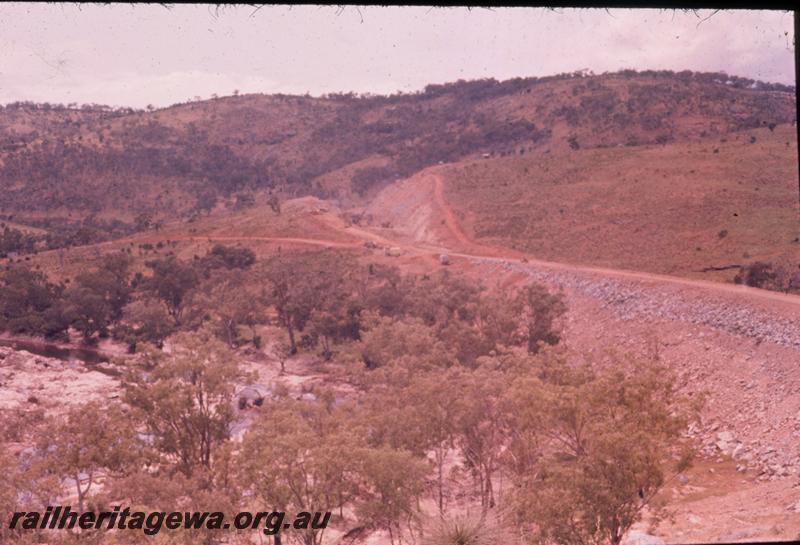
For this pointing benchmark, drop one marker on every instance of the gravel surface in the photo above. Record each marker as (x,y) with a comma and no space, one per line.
(632,300)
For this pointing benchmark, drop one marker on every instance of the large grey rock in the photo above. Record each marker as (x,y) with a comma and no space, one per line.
(743,533)
(725,436)
(723,446)
(635,537)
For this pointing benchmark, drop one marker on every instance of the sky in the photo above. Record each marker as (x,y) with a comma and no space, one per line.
(137,55)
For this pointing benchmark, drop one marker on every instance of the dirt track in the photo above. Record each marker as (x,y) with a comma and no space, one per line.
(290,240)
(456,243)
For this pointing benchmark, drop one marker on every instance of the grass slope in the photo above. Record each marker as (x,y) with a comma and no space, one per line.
(674,209)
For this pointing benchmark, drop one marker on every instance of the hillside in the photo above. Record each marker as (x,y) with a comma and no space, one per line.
(111,170)
(679,208)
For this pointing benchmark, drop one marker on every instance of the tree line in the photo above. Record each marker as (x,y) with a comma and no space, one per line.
(320,299)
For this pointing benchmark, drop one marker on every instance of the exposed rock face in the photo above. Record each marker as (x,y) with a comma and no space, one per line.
(26,378)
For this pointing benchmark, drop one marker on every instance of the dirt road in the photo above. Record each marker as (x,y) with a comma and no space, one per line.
(453,241)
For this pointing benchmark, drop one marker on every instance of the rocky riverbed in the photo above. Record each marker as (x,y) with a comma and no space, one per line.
(51,383)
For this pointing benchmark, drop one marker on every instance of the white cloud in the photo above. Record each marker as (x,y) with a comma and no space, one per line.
(128,88)
(136,55)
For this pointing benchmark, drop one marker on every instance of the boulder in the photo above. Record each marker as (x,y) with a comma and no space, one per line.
(744,533)
(725,436)
(635,537)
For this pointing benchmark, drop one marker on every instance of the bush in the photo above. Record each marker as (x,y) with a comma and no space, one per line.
(573,142)
(229,257)
(30,304)
(466,530)
(757,275)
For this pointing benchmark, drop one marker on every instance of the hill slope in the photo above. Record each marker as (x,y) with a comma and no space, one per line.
(675,209)
(72,165)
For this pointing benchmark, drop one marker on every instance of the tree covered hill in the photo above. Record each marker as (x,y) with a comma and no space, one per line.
(61,165)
